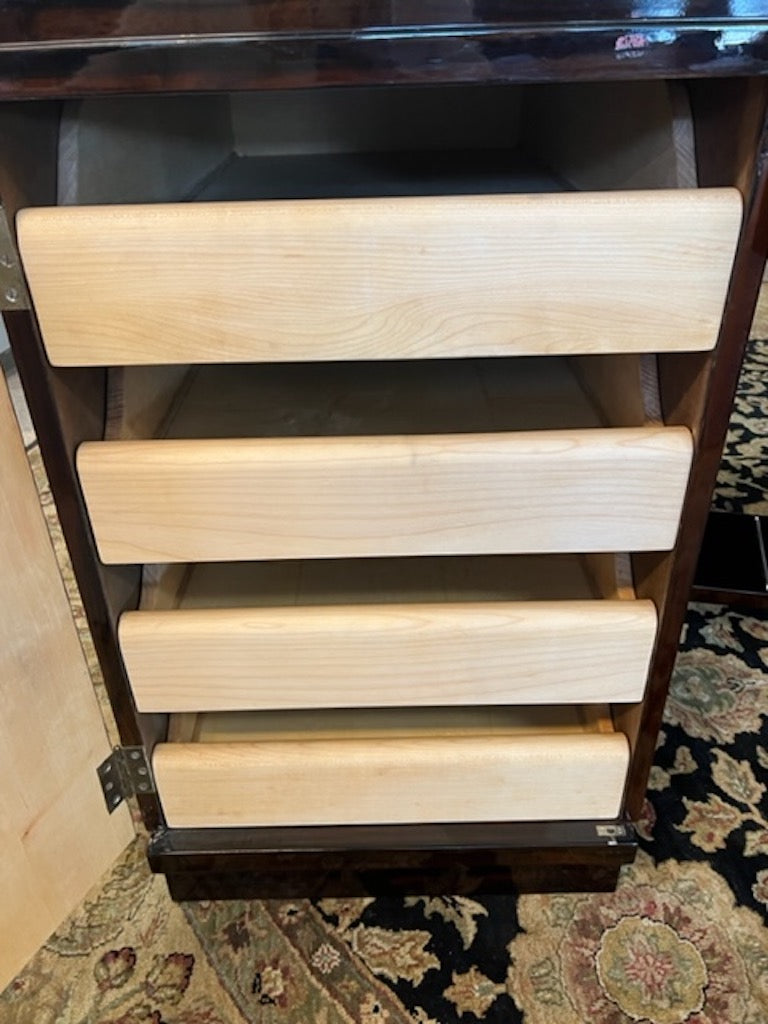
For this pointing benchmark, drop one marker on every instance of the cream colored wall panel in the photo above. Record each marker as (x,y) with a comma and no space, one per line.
(381,278)
(220,500)
(408,654)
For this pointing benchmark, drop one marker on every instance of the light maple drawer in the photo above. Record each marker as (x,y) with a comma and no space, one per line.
(413,277)
(219,500)
(440,765)
(388,633)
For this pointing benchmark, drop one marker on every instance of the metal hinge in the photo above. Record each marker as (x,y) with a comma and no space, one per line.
(13,287)
(614,832)
(126,772)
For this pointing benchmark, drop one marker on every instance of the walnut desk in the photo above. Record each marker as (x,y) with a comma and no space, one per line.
(381,363)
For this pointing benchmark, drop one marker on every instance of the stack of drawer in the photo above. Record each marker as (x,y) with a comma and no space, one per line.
(409,446)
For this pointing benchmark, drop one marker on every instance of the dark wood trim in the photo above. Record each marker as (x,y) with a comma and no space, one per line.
(715,415)
(47,22)
(415,859)
(78,49)
(528,873)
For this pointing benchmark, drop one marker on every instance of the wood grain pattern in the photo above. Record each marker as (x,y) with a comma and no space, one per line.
(140,399)
(381,278)
(623,388)
(389,655)
(51,734)
(495,768)
(549,491)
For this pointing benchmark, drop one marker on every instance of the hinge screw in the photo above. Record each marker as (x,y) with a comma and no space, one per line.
(12,294)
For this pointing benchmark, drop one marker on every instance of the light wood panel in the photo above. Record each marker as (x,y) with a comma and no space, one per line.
(624,388)
(171,501)
(389,655)
(633,135)
(141,399)
(386,768)
(56,838)
(127,149)
(400,723)
(381,278)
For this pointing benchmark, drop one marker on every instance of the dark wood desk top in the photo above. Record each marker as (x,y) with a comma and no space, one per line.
(57,48)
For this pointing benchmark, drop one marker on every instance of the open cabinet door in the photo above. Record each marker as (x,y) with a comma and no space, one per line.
(56,837)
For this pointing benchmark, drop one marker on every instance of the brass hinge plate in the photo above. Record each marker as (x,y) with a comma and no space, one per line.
(126,772)
(13,287)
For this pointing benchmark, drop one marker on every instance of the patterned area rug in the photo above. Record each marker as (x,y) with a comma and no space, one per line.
(683,940)
(743,480)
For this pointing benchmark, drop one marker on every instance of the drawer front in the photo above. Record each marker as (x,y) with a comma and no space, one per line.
(381,278)
(211,500)
(547,652)
(391,781)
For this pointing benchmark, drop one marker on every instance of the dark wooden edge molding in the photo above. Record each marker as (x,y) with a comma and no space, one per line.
(402,859)
(710,430)
(84,48)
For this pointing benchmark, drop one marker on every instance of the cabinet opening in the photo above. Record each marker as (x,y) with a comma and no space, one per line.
(517,221)
(391,723)
(382,398)
(397,141)
(306,582)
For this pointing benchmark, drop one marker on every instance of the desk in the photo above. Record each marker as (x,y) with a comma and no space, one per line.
(381,370)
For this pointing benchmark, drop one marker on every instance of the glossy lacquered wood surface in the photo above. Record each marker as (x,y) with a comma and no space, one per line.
(492,857)
(59,48)
(54,20)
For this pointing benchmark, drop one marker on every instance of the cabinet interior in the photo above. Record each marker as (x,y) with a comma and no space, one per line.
(382,141)
(388,723)
(377,398)
(361,142)
(407,140)
(571,577)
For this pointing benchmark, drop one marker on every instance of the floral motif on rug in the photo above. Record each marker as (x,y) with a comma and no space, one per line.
(742,483)
(126,956)
(670,946)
